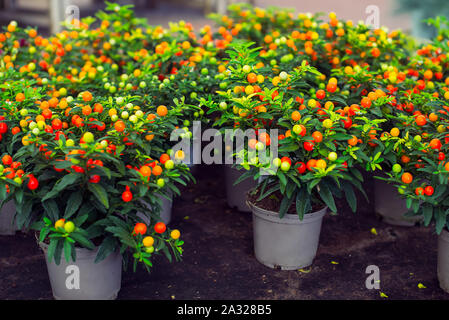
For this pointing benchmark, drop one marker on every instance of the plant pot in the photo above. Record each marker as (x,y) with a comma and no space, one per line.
(7,213)
(97,281)
(443,260)
(236,194)
(287,243)
(166,211)
(390,206)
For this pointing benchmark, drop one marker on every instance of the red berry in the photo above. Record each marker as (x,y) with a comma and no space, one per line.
(3,127)
(301,167)
(160,227)
(428,191)
(78,169)
(320,94)
(95,178)
(33,184)
(308,146)
(127,196)
(347,123)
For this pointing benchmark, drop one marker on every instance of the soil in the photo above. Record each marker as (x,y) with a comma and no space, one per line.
(219,261)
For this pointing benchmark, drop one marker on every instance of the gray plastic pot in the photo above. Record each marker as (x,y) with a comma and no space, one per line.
(443,260)
(166,211)
(287,243)
(390,206)
(7,213)
(236,194)
(97,281)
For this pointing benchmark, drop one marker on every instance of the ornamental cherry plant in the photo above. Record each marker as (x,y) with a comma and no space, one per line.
(88,182)
(320,144)
(417,143)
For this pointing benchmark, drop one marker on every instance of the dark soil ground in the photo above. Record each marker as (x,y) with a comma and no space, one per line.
(219,262)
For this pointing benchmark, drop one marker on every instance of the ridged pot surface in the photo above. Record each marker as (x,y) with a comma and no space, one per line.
(97,281)
(287,243)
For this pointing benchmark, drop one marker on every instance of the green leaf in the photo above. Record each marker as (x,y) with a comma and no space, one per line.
(51,208)
(408,203)
(243,177)
(268,192)
(80,219)
(285,205)
(18,193)
(167,253)
(23,215)
(327,197)
(302,202)
(3,193)
(439,191)
(288,147)
(73,204)
(350,196)
(291,187)
(51,249)
(440,220)
(123,235)
(107,247)
(82,240)
(43,234)
(357,174)
(427,213)
(282,178)
(99,193)
(58,250)
(66,181)
(67,250)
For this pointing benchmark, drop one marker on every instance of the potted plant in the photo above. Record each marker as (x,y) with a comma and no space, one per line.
(418,142)
(83,185)
(316,155)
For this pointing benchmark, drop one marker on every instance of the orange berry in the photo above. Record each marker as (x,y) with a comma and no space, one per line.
(317,136)
(15,130)
(407,177)
(7,159)
(53,102)
(157,170)
(87,110)
(119,126)
(20,97)
(162,111)
(353,141)
(405,159)
(252,77)
(145,171)
(421,120)
(87,96)
(296,116)
(98,108)
(32,33)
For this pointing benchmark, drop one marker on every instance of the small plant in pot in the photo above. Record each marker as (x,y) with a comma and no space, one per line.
(315,162)
(422,180)
(84,186)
